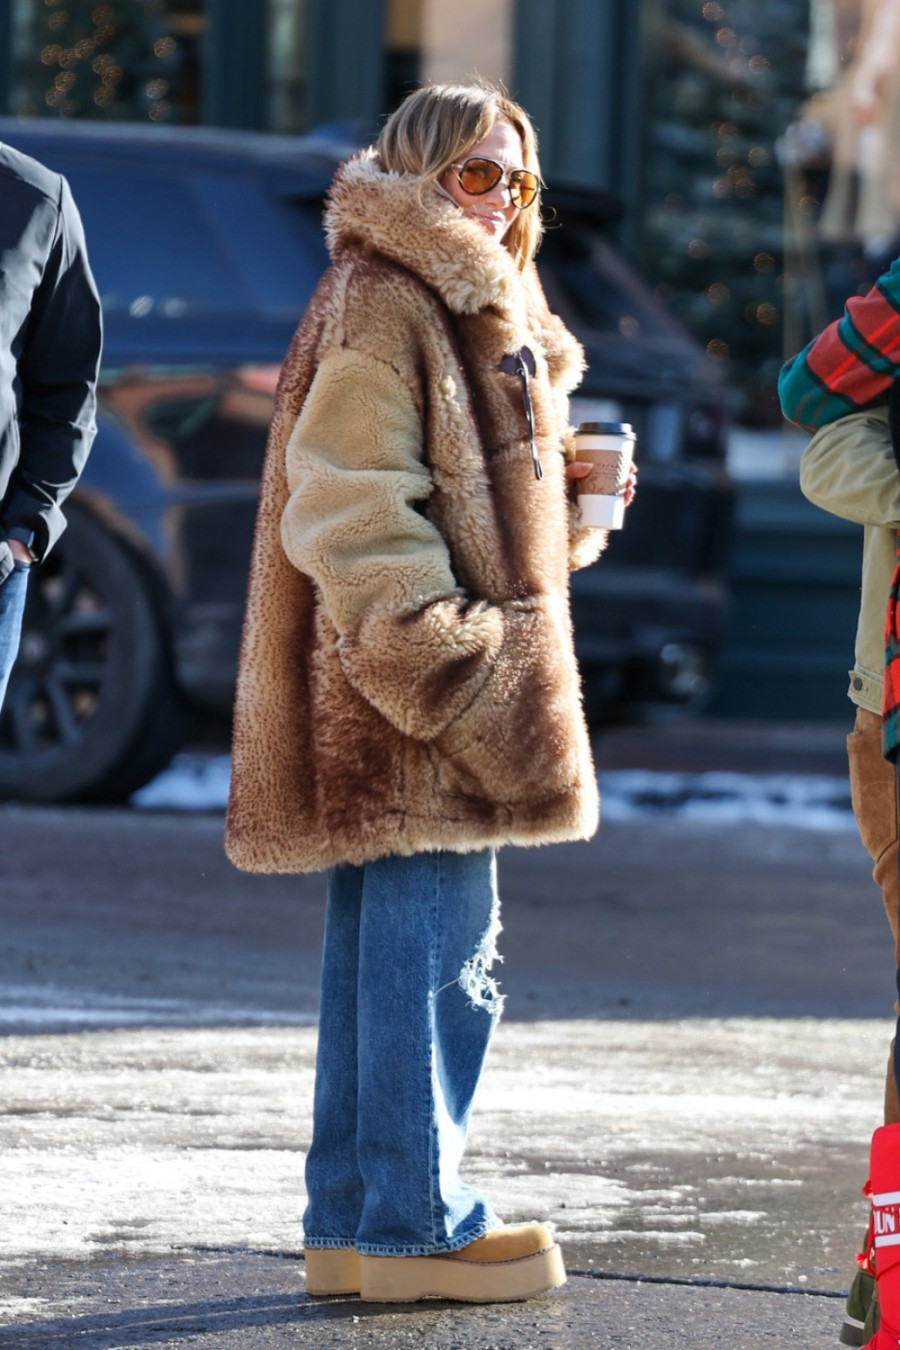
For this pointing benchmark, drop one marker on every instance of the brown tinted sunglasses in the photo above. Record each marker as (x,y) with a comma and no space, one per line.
(477,176)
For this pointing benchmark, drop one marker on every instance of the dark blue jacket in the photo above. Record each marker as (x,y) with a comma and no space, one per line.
(50,338)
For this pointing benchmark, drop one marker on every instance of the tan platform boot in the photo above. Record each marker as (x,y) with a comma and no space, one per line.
(517,1261)
(331,1271)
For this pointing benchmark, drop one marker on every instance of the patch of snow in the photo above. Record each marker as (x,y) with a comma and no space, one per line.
(190,783)
(814,802)
(29,1006)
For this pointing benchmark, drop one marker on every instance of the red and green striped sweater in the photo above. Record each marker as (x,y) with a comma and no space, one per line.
(850,365)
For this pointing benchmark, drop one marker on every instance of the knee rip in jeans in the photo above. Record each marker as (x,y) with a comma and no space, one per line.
(475,979)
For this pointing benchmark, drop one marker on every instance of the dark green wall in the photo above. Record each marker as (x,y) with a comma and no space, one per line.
(345,61)
(234,65)
(577,69)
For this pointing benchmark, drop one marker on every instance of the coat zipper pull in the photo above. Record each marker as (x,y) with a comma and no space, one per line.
(522,363)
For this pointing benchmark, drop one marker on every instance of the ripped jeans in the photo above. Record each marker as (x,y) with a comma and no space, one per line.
(407,1011)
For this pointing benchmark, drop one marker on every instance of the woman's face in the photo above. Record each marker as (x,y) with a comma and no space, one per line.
(493,210)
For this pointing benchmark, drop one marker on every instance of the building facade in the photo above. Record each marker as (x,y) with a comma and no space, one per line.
(751,141)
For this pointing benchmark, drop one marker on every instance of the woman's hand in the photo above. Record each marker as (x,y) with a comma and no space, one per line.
(19,551)
(576,469)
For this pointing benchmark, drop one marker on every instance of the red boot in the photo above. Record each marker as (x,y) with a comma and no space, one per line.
(884,1177)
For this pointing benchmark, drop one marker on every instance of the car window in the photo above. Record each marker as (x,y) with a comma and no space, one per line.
(281,272)
(173,241)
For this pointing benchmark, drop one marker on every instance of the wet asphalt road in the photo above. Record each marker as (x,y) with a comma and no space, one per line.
(658,917)
(685,1082)
(251,1303)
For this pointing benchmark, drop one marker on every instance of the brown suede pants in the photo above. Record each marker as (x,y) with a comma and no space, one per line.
(873,788)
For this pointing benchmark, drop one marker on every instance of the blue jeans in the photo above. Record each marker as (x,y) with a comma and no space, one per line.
(407,1012)
(12,607)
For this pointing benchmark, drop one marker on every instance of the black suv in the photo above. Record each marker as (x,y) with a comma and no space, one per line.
(206,246)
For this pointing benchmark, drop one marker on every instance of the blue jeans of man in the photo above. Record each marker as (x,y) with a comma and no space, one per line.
(407,1011)
(12,607)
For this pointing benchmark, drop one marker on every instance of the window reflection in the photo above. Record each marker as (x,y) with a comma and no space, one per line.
(287,87)
(118,60)
(772,188)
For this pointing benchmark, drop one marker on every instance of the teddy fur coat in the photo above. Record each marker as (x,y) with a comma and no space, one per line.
(407,678)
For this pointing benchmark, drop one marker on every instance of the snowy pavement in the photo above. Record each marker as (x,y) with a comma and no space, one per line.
(810,801)
(726,1149)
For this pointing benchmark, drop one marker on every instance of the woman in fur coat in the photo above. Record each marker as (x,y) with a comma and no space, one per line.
(408,698)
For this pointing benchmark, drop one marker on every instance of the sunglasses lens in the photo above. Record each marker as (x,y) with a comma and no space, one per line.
(523,187)
(478,176)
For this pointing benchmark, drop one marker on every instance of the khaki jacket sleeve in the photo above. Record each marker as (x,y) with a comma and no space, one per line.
(849,469)
(410,641)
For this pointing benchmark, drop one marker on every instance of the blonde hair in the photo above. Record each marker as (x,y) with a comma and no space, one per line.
(438,123)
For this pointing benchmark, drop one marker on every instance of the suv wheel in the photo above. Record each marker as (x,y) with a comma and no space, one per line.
(90,711)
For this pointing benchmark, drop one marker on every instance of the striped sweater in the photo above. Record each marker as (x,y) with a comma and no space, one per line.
(852,363)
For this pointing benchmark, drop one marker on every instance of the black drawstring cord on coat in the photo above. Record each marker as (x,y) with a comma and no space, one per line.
(522,363)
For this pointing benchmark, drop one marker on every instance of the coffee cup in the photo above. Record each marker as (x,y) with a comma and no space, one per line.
(608,447)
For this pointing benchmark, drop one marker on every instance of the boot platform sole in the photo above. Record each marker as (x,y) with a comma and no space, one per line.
(331,1271)
(407,1279)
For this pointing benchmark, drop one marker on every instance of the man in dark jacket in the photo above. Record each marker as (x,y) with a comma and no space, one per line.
(50,337)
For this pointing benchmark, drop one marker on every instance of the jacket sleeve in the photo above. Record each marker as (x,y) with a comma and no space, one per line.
(851,364)
(849,469)
(410,641)
(58,371)
(586,543)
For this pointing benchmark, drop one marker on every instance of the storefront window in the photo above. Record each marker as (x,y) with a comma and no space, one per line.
(287,90)
(772,175)
(434,40)
(118,60)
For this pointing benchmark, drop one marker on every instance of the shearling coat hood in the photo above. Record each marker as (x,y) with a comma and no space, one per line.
(442,247)
(449,252)
(407,678)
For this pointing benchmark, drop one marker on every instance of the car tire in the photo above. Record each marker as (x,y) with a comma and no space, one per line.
(91,712)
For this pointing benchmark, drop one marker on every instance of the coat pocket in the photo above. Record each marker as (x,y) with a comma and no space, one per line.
(517,742)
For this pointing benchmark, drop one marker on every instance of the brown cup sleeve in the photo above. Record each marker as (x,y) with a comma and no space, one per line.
(608,473)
